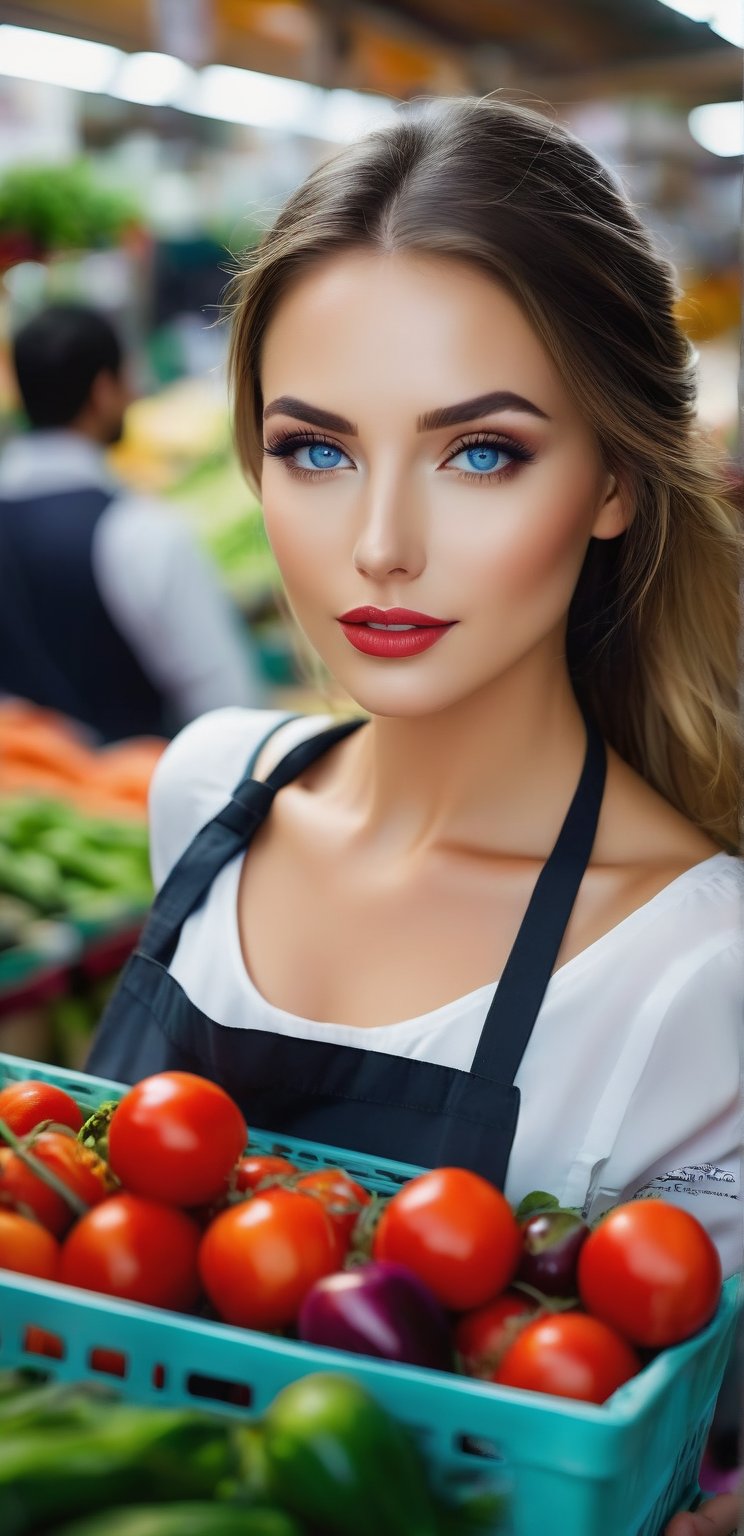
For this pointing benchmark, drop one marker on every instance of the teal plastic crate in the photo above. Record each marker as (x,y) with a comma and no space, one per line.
(621,1469)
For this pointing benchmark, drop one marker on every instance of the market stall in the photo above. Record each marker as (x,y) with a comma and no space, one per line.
(213,1328)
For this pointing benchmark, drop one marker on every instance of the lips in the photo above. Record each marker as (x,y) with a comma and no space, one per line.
(370,615)
(399,633)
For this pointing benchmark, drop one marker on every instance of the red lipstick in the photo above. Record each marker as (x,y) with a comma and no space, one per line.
(359,627)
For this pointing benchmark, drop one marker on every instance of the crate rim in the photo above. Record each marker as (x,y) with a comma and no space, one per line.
(68,1077)
(618,1410)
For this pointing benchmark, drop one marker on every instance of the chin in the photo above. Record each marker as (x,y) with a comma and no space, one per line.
(403,697)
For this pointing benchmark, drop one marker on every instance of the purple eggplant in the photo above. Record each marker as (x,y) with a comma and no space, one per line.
(379,1309)
(552,1243)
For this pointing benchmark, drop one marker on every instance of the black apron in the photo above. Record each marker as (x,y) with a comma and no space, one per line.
(346,1096)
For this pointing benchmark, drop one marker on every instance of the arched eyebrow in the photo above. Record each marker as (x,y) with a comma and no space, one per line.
(446,416)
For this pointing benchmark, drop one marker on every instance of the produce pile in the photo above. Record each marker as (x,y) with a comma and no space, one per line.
(74,1464)
(57,862)
(43,753)
(73,833)
(156,1199)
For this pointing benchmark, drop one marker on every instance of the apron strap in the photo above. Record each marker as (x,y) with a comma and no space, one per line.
(227,834)
(524,981)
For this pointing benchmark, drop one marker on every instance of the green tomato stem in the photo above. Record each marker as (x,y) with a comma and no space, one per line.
(46,1175)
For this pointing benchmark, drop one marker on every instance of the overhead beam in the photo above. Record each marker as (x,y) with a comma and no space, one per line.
(687,79)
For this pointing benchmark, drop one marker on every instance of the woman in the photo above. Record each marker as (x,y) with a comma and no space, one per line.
(460,388)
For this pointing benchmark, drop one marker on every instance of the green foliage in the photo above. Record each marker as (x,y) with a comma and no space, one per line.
(63,207)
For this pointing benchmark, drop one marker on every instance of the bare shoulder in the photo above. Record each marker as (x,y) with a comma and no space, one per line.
(641,829)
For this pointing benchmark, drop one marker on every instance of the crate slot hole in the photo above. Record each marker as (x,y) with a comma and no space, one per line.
(39,1341)
(109,1362)
(159,1376)
(478,1445)
(220,1389)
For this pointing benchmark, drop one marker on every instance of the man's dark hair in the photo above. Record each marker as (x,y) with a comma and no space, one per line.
(57,355)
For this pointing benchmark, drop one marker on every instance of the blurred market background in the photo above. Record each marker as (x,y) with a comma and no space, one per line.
(143,145)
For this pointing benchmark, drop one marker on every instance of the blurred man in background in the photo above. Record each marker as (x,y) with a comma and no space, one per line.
(109,612)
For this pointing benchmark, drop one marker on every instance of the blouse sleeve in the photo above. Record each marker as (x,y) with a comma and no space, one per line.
(681,1135)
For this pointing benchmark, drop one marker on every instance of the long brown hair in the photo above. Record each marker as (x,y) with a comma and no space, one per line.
(653,624)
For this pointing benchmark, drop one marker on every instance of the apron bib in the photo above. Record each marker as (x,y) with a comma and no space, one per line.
(346,1096)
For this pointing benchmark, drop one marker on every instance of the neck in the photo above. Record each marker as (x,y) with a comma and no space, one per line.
(495,772)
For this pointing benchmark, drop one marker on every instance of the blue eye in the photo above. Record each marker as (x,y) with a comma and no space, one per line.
(482,458)
(321,456)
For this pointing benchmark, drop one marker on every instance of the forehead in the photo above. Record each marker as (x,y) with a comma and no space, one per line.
(361,323)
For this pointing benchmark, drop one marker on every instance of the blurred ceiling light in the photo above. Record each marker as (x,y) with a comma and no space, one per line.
(266,101)
(719,127)
(260,101)
(344,114)
(218,91)
(153,79)
(57,60)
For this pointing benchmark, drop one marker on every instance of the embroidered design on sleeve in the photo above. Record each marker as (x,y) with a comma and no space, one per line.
(684,1180)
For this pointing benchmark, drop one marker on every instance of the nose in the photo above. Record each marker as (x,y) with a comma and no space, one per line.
(391,538)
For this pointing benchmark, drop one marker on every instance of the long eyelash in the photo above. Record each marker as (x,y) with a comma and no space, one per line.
(284,444)
(519,454)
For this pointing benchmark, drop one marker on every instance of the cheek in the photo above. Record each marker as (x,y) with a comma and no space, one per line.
(521,548)
(303,533)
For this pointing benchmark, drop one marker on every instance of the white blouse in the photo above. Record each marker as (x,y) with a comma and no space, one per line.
(632,1079)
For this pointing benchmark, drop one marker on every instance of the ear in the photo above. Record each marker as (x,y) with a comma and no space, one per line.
(615,511)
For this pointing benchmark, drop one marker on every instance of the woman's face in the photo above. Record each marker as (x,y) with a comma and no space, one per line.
(422,452)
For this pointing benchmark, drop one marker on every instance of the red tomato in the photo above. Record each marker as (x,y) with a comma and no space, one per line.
(342,1198)
(135,1248)
(27,1247)
(456,1232)
(259,1258)
(651,1271)
(176,1137)
(483,1337)
(568,1355)
(77,1166)
(255,1167)
(23,1106)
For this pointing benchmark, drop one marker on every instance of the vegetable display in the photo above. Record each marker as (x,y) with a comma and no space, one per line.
(42,753)
(159,1199)
(74,856)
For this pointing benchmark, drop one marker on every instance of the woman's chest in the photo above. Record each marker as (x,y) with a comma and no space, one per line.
(338,938)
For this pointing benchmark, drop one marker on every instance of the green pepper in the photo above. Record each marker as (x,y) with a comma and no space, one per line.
(22,819)
(96,866)
(184,1520)
(130,836)
(32,876)
(52,1405)
(130,1454)
(337,1459)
